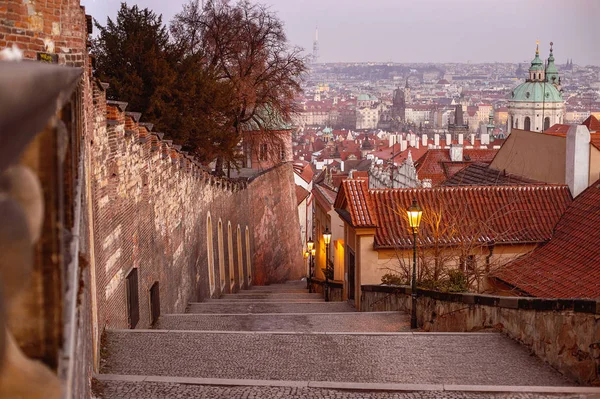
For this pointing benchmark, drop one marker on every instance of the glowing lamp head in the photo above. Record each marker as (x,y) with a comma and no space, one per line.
(306,254)
(313,251)
(327,236)
(414,213)
(310,244)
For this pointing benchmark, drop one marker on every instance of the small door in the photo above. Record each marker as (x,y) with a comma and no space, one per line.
(154,303)
(133,304)
(351,274)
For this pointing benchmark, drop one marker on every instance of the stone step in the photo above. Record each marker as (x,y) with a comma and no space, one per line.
(413,358)
(234,299)
(279,287)
(280,296)
(282,291)
(308,322)
(264,307)
(144,387)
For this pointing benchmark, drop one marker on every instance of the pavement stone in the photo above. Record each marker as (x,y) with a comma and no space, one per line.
(153,390)
(313,322)
(253,307)
(480,359)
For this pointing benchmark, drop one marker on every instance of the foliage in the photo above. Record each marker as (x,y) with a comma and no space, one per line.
(454,281)
(393,279)
(222,69)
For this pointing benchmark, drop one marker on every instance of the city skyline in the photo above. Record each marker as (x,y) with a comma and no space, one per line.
(457,32)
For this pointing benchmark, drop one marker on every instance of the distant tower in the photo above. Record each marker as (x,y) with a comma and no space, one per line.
(315,55)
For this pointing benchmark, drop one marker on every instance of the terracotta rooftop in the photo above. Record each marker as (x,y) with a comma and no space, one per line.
(592,124)
(480,174)
(503,214)
(301,194)
(437,165)
(558,129)
(568,265)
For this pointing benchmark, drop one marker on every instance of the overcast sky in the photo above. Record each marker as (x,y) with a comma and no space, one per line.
(425,30)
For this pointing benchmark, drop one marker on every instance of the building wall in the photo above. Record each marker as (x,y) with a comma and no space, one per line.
(534,155)
(594,165)
(537,112)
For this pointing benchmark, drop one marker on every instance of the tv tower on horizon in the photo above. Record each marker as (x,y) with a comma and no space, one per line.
(315,55)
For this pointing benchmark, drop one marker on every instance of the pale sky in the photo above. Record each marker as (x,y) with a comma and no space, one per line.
(424,30)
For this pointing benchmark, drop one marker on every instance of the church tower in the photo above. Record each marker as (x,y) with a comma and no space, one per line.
(537,104)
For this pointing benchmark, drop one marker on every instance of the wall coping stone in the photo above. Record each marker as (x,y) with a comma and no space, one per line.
(578,305)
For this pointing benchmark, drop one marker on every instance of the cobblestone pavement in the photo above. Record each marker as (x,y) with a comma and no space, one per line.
(473,359)
(346,322)
(151,390)
(241,308)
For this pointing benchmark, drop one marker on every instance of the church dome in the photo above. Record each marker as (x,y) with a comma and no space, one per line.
(536,92)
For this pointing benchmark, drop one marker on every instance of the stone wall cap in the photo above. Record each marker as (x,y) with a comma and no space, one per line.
(122,105)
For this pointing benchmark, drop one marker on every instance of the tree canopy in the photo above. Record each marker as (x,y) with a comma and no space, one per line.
(217,72)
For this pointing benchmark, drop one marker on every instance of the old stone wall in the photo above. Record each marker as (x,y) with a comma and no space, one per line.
(274,217)
(56,29)
(563,332)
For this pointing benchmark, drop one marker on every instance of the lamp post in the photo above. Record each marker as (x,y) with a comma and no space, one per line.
(313,252)
(310,246)
(327,240)
(414,213)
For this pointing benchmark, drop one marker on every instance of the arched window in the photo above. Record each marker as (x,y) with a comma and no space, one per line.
(248,262)
(240,258)
(527,125)
(230,256)
(546,123)
(221,255)
(210,254)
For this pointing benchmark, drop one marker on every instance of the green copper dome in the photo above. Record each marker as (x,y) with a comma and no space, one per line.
(536,92)
(537,64)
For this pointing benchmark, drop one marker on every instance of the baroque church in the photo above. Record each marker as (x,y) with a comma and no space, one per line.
(537,104)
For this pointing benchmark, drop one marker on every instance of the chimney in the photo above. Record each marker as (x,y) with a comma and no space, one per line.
(460,138)
(456,152)
(403,145)
(485,139)
(391,140)
(417,142)
(448,140)
(412,140)
(424,140)
(472,139)
(436,140)
(578,159)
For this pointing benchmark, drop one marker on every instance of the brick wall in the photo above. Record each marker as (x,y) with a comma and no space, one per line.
(563,332)
(52,27)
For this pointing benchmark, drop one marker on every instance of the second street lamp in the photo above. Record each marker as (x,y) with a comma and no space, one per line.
(327,240)
(414,213)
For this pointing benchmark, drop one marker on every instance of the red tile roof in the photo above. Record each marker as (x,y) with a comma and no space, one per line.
(558,129)
(304,170)
(568,265)
(354,196)
(592,124)
(301,194)
(437,165)
(504,214)
(480,174)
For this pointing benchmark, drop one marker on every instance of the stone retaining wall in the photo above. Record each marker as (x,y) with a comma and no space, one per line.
(563,332)
(336,289)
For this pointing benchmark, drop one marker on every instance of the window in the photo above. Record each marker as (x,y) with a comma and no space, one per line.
(221,255)
(240,258)
(527,125)
(282,153)
(248,261)
(263,152)
(210,256)
(230,256)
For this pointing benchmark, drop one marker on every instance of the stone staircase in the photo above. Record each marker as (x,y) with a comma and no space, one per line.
(281,341)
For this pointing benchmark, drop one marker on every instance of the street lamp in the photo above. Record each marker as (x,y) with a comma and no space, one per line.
(414,213)
(327,240)
(311,247)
